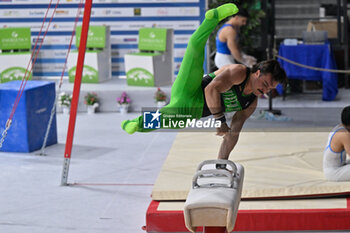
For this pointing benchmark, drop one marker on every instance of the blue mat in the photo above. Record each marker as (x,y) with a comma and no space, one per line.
(31,117)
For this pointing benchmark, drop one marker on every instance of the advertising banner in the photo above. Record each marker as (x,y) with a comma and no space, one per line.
(96,37)
(13,66)
(152,39)
(15,38)
(141,72)
(90,70)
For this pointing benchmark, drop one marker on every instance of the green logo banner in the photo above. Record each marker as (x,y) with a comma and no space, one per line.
(90,75)
(15,38)
(139,77)
(96,37)
(153,39)
(14,73)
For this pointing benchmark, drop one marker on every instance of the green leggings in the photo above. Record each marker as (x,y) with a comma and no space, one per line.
(186,92)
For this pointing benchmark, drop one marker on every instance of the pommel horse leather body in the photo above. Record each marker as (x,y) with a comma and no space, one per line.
(215,195)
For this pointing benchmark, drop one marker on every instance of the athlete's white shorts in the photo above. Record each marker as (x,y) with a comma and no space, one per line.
(223,59)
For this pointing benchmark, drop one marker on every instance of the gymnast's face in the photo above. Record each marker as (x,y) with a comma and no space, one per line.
(242,21)
(263,83)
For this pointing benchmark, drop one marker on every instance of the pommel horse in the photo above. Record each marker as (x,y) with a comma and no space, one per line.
(214,197)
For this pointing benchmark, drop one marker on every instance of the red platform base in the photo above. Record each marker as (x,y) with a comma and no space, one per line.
(258,220)
(214,230)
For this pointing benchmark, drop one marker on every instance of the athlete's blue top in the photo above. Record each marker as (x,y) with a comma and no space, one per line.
(221,47)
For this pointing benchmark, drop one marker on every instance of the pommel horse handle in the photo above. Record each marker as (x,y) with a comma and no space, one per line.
(213,202)
(218,161)
(212,172)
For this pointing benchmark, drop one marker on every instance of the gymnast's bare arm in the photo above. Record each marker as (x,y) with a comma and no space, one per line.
(341,141)
(226,77)
(231,138)
(345,140)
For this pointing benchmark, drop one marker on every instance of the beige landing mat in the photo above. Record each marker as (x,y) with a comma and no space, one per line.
(277,164)
(302,204)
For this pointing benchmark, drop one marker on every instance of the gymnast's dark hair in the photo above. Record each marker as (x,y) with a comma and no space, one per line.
(274,68)
(345,116)
(242,12)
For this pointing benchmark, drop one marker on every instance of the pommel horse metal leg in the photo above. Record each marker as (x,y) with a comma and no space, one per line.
(214,198)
